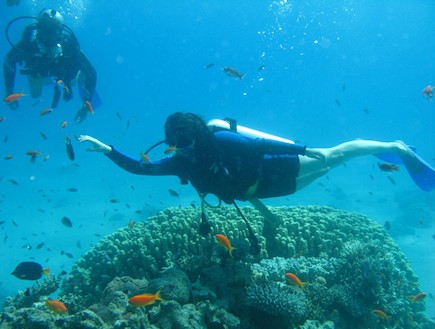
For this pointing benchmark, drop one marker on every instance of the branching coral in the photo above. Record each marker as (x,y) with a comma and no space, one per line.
(26,298)
(278,300)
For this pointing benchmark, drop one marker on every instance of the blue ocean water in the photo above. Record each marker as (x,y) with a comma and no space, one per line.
(319,72)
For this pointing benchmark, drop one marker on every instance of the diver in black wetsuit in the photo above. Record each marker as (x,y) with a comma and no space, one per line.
(49,50)
(223,163)
(234,167)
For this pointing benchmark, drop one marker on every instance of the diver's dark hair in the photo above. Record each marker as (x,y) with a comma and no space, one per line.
(184,129)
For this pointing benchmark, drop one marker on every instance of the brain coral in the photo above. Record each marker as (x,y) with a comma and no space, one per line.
(352,265)
(168,239)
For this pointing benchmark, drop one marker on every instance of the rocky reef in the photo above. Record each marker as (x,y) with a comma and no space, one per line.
(356,276)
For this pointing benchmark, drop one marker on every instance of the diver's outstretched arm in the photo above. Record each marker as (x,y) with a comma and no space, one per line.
(318,161)
(97,146)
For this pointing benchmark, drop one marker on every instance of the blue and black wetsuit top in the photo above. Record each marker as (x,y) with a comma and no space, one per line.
(246,168)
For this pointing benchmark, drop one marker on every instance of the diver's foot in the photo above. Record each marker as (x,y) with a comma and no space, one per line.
(81,115)
(403,150)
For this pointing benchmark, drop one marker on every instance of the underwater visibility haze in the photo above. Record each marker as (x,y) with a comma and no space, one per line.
(86,244)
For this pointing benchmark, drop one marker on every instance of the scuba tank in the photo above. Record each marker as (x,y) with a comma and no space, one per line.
(231,124)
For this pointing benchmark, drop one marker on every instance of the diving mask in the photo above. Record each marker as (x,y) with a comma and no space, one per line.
(50,52)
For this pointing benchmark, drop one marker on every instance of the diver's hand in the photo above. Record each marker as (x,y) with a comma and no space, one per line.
(97,146)
(314,153)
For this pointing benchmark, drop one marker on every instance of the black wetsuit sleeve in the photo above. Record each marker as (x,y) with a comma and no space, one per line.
(90,74)
(13,57)
(260,145)
(162,167)
(75,61)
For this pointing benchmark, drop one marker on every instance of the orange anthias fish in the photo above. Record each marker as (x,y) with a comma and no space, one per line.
(388,167)
(131,223)
(381,314)
(428,92)
(56,306)
(64,124)
(65,87)
(418,297)
(293,279)
(89,107)
(145,158)
(170,149)
(225,242)
(144,299)
(14,97)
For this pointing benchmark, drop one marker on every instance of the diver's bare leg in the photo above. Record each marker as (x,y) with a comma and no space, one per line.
(313,168)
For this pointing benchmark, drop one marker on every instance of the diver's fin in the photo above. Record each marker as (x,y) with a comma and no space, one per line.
(95,100)
(421,172)
(393,158)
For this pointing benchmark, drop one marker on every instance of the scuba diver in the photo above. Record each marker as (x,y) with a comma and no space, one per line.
(49,52)
(237,163)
